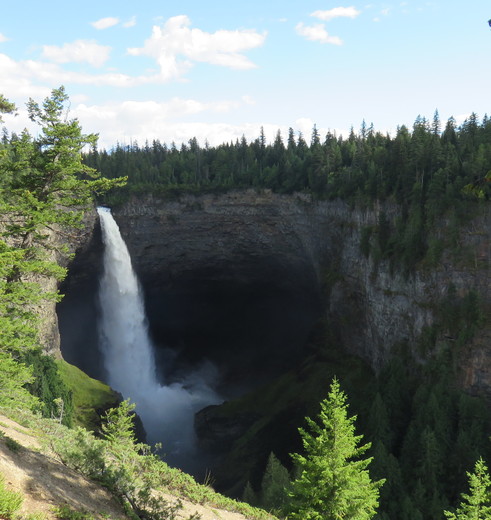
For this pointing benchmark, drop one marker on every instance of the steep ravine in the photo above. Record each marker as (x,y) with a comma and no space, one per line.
(242,279)
(299,250)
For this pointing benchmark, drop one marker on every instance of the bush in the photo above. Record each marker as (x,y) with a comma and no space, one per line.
(10,501)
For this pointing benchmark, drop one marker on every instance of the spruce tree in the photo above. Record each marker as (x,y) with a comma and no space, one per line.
(274,484)
(333,481)
(44,189)
(477,504)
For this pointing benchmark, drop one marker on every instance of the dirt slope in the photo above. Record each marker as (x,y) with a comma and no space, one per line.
(45,482)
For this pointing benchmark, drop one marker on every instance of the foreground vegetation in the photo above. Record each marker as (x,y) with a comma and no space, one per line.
(129,469)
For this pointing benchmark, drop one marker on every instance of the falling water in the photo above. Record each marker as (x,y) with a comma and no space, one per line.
(167,411)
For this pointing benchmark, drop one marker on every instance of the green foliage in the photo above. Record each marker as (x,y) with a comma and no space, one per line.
(88,395)
(333,479)
(118,428)
(14,377)
(6,107)
(477,504)
(429,174)
(275,485)
(10,501)
(65,512)
(44,184)
(44,188)
(49,387)
(132,471)
(461,315)
(249,495)
(80,450)
(437,432)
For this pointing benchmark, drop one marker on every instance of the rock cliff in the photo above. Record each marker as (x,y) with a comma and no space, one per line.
(77,242)
(206,249)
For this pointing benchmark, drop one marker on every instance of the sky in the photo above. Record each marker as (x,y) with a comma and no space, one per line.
(217,70)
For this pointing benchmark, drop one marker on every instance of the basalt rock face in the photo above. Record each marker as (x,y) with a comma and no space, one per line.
(243,277)
(77,241)
(78,311)
(232,278)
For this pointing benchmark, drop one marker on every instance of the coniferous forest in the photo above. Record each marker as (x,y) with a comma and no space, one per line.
(429,171)
(425,443)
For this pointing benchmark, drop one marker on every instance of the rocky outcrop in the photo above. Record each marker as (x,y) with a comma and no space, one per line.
(216,432)
(63,246)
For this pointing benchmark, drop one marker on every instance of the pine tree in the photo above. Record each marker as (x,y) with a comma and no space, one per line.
(44,188)
(248,495)
(333,481)
(477,504)
(13,378)
(274,484)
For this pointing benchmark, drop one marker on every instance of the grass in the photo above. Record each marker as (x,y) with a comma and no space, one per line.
(10,501)
(89,395)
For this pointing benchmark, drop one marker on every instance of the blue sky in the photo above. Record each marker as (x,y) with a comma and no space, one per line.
(219,69)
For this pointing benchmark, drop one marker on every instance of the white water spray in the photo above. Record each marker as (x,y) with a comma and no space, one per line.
(167,412)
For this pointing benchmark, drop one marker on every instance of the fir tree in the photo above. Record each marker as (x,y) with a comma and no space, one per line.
(333,481)
(275,484)
(477,504)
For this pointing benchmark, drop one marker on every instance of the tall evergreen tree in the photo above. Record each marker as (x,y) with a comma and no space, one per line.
(274,484)
(333,481)
(477,504)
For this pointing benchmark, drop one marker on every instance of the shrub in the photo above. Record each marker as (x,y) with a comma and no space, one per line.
(10,501)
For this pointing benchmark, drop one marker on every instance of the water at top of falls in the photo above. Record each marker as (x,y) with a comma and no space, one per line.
(167,412)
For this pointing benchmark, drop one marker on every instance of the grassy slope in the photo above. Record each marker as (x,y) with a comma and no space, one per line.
(89,395)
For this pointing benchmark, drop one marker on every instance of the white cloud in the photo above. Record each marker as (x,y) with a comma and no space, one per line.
(175,38)
(336,12)
(78,51)
(16,83)
(304,125)
(3,38)
(105,23)
(18,78)
(141,120)
(130,23)
(317,33)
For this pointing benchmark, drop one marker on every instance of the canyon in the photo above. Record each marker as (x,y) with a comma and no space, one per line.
(236,284)
(215,267)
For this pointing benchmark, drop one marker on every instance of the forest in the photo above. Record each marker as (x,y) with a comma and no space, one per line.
(425,443)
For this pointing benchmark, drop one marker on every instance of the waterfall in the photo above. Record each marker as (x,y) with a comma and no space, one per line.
(166,411)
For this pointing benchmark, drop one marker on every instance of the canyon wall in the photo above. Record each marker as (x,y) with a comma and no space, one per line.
(63,248)
(306,250)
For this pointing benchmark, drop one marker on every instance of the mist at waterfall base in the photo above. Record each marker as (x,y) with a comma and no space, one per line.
(167,411)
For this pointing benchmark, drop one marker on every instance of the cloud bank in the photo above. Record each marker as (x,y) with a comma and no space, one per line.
(175,46)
